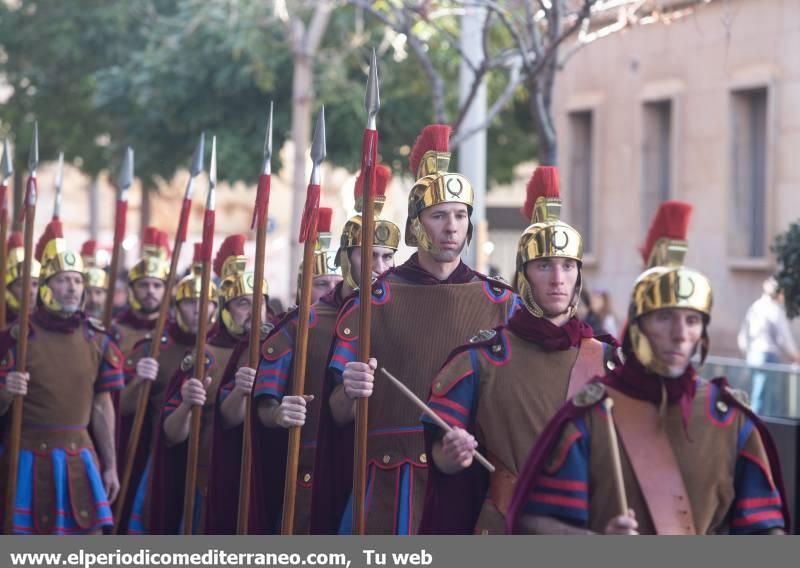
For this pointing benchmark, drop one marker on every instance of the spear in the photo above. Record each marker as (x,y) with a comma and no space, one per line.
(308,236)
(200,345)
(369,155)
(28,215)
(260,212)
(58,184)
(123,185)
(6,169)
(158,331)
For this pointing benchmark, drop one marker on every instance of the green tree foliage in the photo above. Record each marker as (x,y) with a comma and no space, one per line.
(153,73)
(787,250)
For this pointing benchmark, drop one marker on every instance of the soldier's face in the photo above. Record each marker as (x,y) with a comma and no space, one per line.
(446,225)
(382,260)
(95,302)
(190,313)
(321,285)
(16,289)
(241,310)
(67,290)
(149,292)
(674,334)
(553,283)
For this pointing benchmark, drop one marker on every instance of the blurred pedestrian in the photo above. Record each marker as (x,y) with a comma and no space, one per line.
(765,337)
(601,308)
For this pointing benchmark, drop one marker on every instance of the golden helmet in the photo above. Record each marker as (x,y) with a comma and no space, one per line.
(547,236)
(667,283)
(230,265)
(55,257)
(154,263)
(190,287)
(387,234)
(15,258)
(324,255)
(429,160)
(95,265)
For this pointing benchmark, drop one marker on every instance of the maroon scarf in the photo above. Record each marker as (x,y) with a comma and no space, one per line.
(132,320)
(413,271)
(221,337)
(180,336)
(334,297)
(51,322)
(546,334)
(634,380)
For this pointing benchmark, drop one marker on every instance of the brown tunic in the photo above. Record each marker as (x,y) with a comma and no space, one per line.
(57,413)
(320,336)
(127,336)
(521,386)
(414,328)
(706,455)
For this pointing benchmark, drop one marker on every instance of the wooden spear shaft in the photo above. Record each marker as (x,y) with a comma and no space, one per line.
(119,235)
(622,500)
(298,381)
(253,358)
(15,432)
(193,450)
(155,350)
(364,344)
(3,251)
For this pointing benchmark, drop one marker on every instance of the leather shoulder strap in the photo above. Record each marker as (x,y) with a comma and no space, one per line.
(650,453)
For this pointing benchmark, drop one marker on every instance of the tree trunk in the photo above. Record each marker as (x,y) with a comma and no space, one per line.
(302,93)
(94,208)
(540,105)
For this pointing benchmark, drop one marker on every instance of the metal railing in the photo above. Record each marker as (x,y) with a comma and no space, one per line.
(779,397)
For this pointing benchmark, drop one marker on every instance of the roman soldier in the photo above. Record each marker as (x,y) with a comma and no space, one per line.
(146,281)
(421,311)
(692,458)
(95,278)
(13,276)
(220,448)
(177,343)
(67,474)
(278,411)
(327,272)
(500,390)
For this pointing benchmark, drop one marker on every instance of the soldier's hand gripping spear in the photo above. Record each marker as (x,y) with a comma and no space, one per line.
(158,331)
(200,345)
(29,216)
(369,158)
(260,215)
(124,183)
(308,236)
(6,169)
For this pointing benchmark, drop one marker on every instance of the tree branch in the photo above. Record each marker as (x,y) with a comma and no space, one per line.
(316,28)
(514,81)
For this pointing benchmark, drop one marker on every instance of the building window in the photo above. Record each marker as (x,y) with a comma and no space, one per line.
(747,231)
(656,157)
(580,175)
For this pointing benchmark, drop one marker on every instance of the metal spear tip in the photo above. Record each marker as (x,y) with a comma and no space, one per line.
(267,167)
(59,182)
(198,158)
(33,155)
(318,151)
(125,179)
(372,99)
(6,165)
(212,174)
